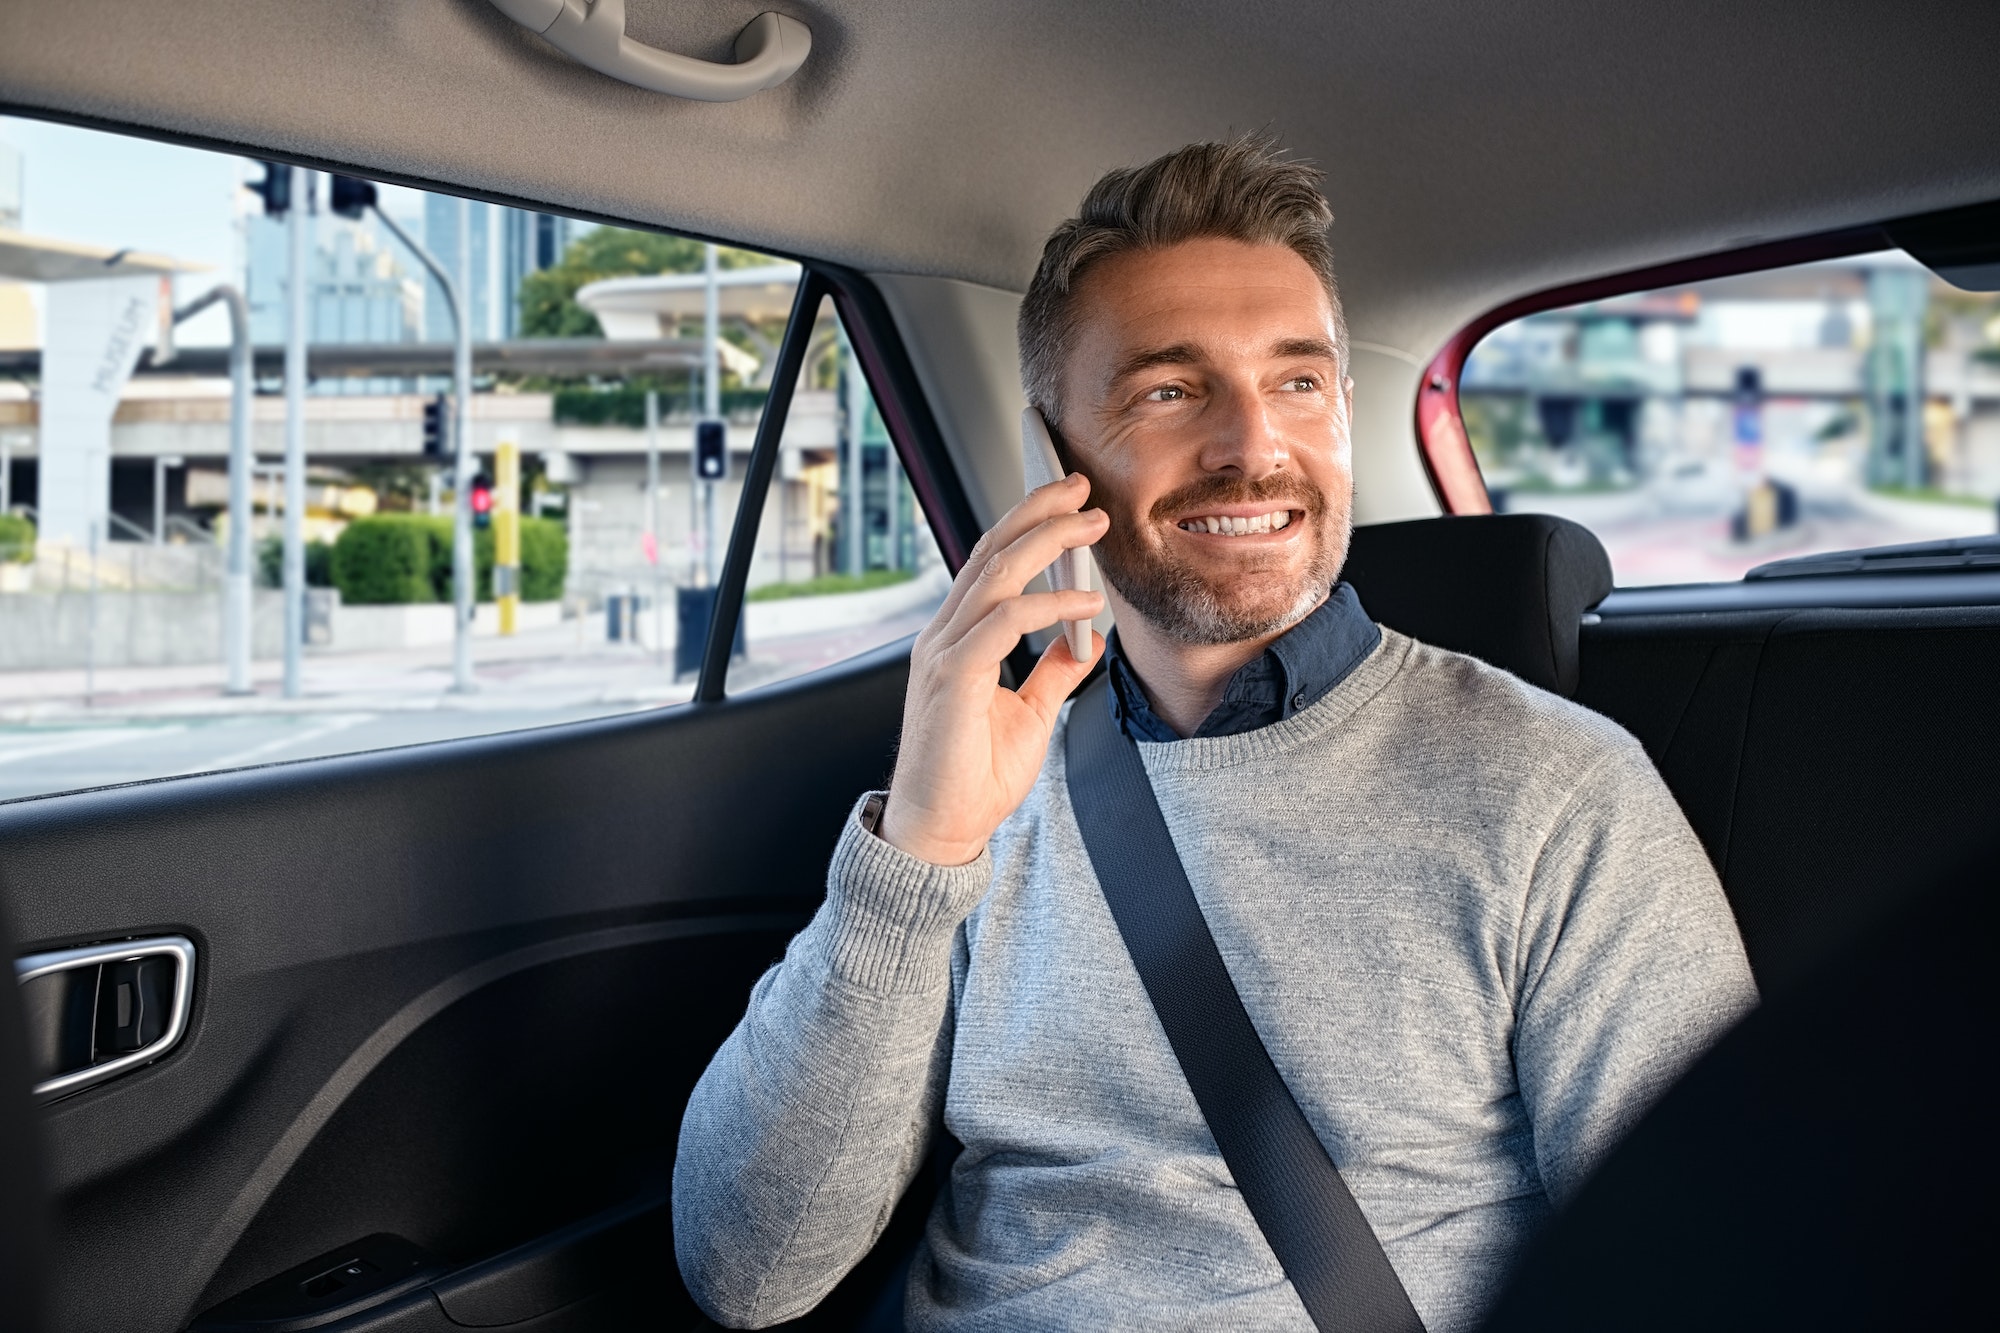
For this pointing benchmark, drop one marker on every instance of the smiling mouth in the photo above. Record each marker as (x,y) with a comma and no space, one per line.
(1225,525)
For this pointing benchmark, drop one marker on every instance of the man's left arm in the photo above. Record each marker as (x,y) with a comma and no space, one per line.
(1629,962)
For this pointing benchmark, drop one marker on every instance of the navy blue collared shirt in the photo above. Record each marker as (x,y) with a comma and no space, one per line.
(1295,672)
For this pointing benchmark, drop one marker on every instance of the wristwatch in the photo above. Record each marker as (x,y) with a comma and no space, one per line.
(871,811)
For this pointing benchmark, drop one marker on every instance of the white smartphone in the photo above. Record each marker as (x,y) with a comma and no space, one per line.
(1071,571)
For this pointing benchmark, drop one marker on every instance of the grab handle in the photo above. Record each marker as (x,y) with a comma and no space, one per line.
(592,32)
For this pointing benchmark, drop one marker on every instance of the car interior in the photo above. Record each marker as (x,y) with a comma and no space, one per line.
(439,1006)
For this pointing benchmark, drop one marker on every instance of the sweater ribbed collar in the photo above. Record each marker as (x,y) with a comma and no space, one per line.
(1298,669)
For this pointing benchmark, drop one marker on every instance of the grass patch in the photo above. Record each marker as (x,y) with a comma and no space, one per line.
(828,584)
(1932,495)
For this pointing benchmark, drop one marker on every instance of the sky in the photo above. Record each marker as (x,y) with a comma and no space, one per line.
(120,192)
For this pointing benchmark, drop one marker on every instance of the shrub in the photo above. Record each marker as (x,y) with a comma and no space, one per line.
(625,404)
(319,565)
(271,564)
(17,539)
(829,584)
(544,559)
(387,559)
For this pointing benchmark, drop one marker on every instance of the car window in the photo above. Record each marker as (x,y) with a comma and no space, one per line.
(594,540)
(844,560)
(1705,429)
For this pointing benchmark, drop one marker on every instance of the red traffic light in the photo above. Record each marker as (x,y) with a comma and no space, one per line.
(481,500)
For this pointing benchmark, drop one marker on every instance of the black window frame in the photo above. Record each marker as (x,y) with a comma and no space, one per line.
(906,414)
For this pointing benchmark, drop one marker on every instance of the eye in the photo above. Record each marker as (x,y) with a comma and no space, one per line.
(1301,384)
(1167,393)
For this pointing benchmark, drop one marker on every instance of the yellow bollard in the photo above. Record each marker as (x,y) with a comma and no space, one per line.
(507,531)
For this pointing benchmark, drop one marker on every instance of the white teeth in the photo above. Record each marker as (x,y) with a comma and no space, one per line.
(1239,527)
(1235,527)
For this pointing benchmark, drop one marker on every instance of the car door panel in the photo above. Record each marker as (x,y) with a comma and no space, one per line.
(455,992)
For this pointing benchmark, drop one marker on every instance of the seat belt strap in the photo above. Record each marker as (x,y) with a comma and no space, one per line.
(1292,1187)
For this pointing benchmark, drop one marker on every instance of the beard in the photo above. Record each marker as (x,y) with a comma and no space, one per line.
(1258,598)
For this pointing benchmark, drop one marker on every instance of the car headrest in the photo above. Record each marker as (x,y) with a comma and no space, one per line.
(1508,589)
(1829,1165)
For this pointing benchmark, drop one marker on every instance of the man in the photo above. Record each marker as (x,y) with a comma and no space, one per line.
(1465,916)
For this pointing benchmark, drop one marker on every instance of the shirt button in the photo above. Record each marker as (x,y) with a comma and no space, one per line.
(1298,700)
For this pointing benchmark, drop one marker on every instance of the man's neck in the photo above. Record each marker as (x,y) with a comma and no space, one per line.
(1183,681)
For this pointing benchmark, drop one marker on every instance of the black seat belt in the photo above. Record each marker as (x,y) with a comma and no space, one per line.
(1290,1183)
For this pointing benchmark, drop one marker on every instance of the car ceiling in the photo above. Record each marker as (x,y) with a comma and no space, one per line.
(1474,151)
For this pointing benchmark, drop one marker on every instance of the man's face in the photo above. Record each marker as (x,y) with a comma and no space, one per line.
(1204,400)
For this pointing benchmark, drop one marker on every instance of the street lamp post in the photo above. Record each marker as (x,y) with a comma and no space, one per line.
(711,400)
(236,564)
(462,572)
(299,228)
(462,569)
(160,466)
(855,417)
(652,542)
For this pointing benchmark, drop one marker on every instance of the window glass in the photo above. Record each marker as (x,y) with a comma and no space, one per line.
(844,560)
(115,473)
(1703,430)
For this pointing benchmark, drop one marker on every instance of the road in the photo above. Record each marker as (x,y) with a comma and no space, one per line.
(1655,536)
(38,759)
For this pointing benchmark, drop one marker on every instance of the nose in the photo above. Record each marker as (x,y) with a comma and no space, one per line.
(1242,437)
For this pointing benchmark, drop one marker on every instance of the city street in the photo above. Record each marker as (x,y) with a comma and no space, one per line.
(142,723)
(1655,535)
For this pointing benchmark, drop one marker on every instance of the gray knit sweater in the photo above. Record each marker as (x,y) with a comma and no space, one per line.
(1466,917)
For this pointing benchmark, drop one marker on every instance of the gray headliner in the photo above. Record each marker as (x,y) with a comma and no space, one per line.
(1474,151)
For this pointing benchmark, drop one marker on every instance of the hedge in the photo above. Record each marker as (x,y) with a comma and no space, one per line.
(271,563)
(827,584)
(17,539)
(625,405)
(544,559)
(407,558)
(382,560)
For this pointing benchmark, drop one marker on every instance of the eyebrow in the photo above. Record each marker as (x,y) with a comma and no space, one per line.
(1188,354)
(1175,354)
(1295,347)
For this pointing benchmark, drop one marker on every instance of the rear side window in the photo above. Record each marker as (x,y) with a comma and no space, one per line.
(1705,429)
(606,459)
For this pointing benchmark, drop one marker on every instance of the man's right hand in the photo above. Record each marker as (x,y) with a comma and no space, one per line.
(971,748)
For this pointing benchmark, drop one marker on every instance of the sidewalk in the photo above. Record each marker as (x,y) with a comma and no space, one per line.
(141,723)
(559,668)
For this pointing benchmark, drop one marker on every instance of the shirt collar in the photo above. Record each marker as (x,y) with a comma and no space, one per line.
(1295,672)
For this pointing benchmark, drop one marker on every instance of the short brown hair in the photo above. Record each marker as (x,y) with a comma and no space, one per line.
(1241,190)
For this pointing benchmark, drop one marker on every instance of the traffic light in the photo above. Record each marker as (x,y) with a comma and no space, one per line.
(482,501)
(711,451)
(434,427)
(352,196)
(275,189)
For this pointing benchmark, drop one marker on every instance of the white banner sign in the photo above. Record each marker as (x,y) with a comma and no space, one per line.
(95,332)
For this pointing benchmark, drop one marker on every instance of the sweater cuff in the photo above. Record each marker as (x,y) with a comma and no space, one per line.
(889,917)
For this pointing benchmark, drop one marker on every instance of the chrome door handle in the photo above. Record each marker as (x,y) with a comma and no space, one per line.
(97,1011)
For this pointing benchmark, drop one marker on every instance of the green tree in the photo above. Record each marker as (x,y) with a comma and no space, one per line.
(548,298)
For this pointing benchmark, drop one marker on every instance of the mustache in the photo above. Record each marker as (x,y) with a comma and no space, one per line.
(1219,490)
